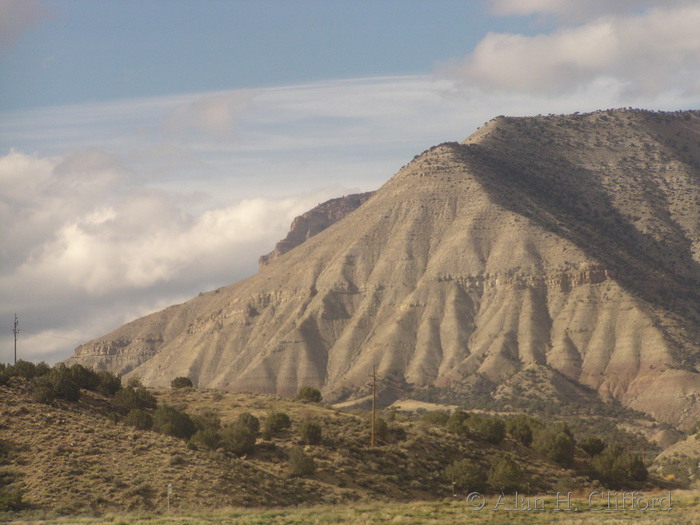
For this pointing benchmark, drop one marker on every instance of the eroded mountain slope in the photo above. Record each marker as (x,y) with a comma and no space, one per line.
(568,242)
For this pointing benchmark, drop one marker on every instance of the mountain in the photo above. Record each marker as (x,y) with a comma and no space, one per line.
(315,221)
(564,248)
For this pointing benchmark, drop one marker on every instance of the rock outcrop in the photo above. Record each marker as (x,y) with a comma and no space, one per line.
(315,221)
(563,244)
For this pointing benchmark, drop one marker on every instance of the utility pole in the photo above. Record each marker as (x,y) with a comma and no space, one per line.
(373,437)
(15,331)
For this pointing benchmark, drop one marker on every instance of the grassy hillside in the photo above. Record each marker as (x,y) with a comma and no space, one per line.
(85,457)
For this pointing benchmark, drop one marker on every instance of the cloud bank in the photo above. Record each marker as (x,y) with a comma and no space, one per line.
(645,52)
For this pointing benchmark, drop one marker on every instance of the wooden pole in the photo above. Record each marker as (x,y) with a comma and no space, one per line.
(373,438)
(15,330)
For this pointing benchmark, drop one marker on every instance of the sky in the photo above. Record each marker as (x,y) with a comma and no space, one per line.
(152,150)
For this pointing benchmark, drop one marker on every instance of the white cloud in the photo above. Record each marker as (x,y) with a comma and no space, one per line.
(91,231)
(84,245)
(649,54)
(16,17)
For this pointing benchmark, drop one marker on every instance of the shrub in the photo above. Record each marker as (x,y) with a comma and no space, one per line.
(311,432)
(84,377)
(43,393)
(519,429)
(467,475)
(64,386)
(274,423)
(207,420)
(489,429)
(505,475)
(615,466)
(139,419)
(238,439)
(58,383)
(309,394)
(435,418)
(41,369)
(134,382)
(108,383)
(204,439)
(130,397)
(556,444)
(457,422)
(249,421)
(695,429)
(381,430)
(11,499)
(300,464)
(171,421)
(592,445)
(22,368)
(181,382)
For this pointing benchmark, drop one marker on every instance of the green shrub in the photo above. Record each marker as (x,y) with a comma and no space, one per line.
(556,444)
(181,382)
(108,383)
(58,383)
(249,421)
(207,420)
(275,423)
(437,418)
(489,429)
(43,393)
(205,439)
(130,397)
(300,464)
(466,475)
(84,377)
(520,429)
(22,368)
(134,382)
(309,394)
(238,439)
(11,499)
(505,475)
(592,445)
(381,430)
(171,421)
(139,419)
(615,467)
(311,432)
(64,386)
(457,422)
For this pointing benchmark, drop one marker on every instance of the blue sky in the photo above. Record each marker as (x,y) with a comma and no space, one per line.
(152,149)
(82,51)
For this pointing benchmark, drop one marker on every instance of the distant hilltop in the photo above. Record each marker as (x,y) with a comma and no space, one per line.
(315,221)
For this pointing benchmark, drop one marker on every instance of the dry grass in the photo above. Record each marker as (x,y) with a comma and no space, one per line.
(685,511)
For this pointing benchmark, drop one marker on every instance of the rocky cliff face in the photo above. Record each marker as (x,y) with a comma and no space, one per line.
(315,221)
(568,244)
